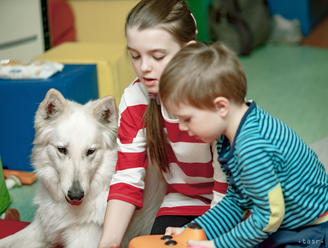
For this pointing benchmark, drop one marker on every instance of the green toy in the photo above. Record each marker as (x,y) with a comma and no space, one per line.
(4,194)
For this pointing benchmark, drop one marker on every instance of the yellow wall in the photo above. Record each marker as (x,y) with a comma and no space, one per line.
(101,20)
(100,40)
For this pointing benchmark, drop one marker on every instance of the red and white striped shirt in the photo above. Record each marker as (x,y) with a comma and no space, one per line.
(194,178)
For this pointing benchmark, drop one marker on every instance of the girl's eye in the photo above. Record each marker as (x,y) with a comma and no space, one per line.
(159,58)
(135,57)
(62,150)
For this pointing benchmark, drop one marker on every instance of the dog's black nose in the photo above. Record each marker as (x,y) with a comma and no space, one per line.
(75,192)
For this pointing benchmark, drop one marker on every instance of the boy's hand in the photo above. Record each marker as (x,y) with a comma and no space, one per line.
(200,244)
(190,243)
(108,246)
(173,230)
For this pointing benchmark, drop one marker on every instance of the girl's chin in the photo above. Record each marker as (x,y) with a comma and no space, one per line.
(152,90)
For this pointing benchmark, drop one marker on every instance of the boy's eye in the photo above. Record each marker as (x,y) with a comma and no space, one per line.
(185,120)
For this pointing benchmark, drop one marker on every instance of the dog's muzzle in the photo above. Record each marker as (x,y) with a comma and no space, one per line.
(75,194)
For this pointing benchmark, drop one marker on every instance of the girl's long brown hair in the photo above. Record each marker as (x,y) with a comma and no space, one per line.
(174,17)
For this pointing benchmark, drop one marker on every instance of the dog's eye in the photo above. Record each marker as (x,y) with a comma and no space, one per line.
(90,152)
(62,150)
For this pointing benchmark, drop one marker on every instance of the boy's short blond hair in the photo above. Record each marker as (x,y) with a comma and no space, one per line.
(199,73)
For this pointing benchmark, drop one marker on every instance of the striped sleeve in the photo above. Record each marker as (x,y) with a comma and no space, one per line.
(262,186)
(128,181)
(220,182)
(221,218)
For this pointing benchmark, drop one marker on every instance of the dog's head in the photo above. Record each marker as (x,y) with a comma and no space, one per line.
(74,145)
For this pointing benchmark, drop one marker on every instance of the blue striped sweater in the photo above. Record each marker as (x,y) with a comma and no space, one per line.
(273,174)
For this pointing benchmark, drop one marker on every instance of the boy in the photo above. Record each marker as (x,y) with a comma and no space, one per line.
(272,174)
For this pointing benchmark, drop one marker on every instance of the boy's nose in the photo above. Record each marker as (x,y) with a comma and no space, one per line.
(190,133)
(183,127)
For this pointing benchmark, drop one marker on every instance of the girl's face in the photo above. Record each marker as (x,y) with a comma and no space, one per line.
(150,50)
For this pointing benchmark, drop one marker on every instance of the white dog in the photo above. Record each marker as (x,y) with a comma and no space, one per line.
(74,157)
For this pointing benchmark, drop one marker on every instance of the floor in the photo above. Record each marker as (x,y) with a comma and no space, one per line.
(316,94)
(321,148)
(319,39)
(288,81)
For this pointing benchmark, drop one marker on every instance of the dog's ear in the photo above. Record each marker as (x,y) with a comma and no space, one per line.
(52,105)
(105,110)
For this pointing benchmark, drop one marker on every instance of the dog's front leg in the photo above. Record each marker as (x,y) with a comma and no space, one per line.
(82,236)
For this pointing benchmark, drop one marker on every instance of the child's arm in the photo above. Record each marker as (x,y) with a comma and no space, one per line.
(267,206)
(264,219)
(115,225)
(24,177)
(223,217)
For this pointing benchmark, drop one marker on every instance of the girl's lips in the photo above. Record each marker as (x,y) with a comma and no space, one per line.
(149,82)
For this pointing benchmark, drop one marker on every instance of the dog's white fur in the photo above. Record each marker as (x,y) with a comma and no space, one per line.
(75,150)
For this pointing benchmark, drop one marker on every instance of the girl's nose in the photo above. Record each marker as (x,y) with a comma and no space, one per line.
(145,65)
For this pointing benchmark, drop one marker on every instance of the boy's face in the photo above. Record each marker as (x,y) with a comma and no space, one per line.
(151,50)
(204,124)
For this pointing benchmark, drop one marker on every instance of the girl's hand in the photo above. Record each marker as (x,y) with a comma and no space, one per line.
(173,230)
(200,244)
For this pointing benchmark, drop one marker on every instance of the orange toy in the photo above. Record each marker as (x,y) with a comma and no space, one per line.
(193,231)
(24,176)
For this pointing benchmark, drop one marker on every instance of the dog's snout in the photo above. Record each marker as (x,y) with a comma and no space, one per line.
(75,192)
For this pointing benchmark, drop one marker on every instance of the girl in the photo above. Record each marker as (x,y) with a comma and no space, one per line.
(155,32)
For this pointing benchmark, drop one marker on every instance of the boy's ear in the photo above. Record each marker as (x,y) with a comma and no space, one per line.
(190,42)
(222,105)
